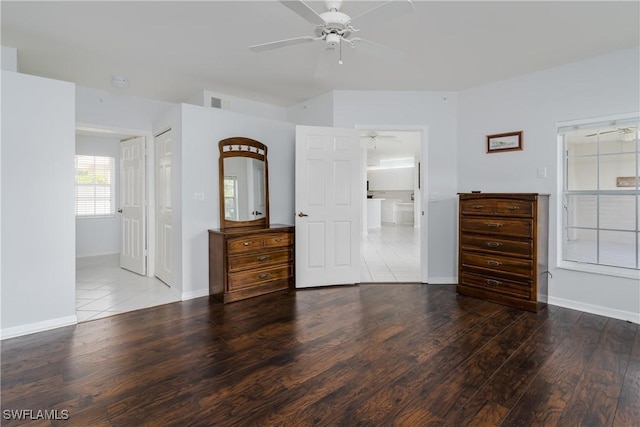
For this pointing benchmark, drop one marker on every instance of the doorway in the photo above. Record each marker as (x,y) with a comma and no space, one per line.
(103,241)
(391,236)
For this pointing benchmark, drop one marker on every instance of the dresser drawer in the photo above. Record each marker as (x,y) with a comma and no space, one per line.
(519,248)
(519,227)
(497,284)
(245,279)
(259,260)
(245,244)
(523,208)
(278,240)
(477,206)
(495,264)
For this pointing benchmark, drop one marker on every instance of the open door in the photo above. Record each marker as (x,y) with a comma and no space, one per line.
(132,205)
(328,206)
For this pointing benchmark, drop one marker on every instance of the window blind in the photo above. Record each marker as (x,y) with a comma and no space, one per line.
(95,176)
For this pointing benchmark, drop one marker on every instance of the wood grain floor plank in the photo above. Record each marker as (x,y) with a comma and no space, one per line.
(368,355)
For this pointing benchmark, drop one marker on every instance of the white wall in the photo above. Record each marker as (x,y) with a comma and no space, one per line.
(437,112)
(9,58)
(38,229)
(316,111)
(240,105)
(195,157)
(99,236)
(534,103)
(106,109)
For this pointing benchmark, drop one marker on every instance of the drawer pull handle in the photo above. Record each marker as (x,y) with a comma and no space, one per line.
(263,275)
(263,257)
(494,225)
(494,263)
(493,244)
(477,206)
(246,243)
(513,208)
(493,282)
(278,239)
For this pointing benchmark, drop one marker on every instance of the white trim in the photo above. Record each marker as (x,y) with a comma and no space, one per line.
(578,122)
(99,255)
(596,309)
(194,294)
(32,328)
(604,270)
(451,280)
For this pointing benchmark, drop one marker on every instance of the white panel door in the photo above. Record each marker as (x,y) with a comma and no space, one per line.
(164,228)
(132,205)
(328,206)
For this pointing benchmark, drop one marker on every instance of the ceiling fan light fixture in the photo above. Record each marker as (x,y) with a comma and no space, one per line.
(332,40)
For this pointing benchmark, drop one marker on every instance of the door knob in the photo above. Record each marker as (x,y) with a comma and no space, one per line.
(301,214)
(119,210)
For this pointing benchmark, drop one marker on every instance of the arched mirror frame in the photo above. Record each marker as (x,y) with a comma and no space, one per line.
(242,147)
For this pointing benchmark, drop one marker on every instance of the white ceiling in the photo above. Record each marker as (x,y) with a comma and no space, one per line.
(172,50)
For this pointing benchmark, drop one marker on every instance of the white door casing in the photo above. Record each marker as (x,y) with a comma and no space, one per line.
(328,206)
(132,205)
(163,212)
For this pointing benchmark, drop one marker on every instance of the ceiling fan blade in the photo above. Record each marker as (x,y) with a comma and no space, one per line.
(602,133)
(302,9)
(385,12)
(281,43)
(323,64)
(378,50)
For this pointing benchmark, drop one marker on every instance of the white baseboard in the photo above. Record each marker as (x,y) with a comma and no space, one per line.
(442,280)
(194,294)
(32,328)
(596,309)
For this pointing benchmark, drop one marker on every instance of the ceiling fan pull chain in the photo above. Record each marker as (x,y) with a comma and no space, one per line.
(340,59)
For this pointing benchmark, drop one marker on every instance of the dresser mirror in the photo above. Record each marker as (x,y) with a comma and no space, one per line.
(244,183)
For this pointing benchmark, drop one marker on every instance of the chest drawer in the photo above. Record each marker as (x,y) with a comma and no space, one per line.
(259,260)
(497,284)
(518,227)
(497,206)
(523,208)
(520,248)
(496,264)
(278,240)
(238,245)
(246,279)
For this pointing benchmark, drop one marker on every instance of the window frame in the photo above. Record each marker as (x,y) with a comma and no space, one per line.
(112,188)
(563,192)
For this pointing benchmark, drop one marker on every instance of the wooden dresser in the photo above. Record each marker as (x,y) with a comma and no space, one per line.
(250,261)
(503,248)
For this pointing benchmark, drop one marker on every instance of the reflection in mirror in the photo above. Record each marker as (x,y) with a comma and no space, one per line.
(244,189)
(244,183)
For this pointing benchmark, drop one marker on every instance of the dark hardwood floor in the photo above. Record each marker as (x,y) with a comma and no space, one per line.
(368,355)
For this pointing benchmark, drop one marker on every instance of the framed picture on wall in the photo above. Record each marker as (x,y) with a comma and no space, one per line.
(509,141)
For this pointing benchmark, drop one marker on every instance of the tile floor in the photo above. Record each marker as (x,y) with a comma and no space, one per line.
(391,254)
(104,289)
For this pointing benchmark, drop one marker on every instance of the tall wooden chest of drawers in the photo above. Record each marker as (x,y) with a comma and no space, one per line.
(251,261)
(503,248)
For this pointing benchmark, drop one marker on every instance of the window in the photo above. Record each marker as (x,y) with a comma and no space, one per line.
(601,197)
(95,184)
(231,198)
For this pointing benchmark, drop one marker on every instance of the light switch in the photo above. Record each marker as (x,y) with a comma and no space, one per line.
(542,172)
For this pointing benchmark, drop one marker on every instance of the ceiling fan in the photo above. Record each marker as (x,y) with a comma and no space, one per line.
(334,27)
(372,137)
(626,134)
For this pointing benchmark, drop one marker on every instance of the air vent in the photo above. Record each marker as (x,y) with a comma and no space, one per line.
(216,102)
